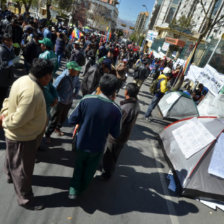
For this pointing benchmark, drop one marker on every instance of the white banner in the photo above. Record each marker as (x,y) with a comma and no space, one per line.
(208,76)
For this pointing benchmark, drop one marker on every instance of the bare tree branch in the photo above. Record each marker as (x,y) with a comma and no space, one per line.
(203,7)
(219,20)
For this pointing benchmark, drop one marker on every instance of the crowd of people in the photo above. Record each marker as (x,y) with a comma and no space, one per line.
(37,104)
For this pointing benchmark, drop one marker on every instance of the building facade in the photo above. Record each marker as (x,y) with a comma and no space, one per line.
(193,8)
(141,22)
(167,11)
(103,14)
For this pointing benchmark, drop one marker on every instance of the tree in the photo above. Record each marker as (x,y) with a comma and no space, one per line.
(27,4)
(210,21)
(184,24)
(134,37)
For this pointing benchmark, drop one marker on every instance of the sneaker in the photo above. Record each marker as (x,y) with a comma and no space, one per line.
(72,196)
(59,132)
(147,118)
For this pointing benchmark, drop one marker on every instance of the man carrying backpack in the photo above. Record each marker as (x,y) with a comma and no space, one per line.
(161,89)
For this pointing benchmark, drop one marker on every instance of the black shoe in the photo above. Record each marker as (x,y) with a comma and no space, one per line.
(9,181)
(31,205)
(104,177)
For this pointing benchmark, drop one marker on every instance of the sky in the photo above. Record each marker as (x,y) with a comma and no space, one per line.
(129,9)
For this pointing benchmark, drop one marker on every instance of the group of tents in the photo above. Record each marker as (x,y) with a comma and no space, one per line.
(194,144)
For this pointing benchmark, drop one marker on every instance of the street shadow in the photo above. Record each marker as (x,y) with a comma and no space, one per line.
(51,181)
(57,140)
(161,121)
(58,156)
(148,96)
(127,191)
(136,158)
(142,132)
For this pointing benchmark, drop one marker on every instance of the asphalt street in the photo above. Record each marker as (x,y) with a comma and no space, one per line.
(136,194)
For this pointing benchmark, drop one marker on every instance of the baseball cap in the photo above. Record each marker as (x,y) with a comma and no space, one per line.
(107,62)
(47,42)
(73,65)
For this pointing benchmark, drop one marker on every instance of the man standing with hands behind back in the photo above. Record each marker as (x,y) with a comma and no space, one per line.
(24,119)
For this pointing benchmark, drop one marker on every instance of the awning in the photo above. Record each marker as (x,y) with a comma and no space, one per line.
(176,42)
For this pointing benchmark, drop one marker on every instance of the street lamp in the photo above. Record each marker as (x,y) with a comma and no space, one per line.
(145,8)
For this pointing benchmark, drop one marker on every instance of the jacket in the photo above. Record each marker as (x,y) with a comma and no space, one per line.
(24,111)
(65,85)
(91,79)
(78,57)
(50,55)
(141,73)
(6,71)
(59,46)
(97,117)
(50,95)
(162,85)
(130,110)
(31,51)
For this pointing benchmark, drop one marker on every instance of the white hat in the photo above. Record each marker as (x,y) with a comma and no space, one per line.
(167,70)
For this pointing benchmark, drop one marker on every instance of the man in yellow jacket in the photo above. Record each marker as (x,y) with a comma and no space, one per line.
(24,119)
(160,91)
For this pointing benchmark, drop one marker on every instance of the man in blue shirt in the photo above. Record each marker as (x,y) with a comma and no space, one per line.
(97,116)
(64,84)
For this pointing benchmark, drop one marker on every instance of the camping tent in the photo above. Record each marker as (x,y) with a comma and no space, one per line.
(198,166)
(177,105)
(212,105)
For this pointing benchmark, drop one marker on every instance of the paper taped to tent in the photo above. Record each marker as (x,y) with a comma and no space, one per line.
(177,105)
(212,105)
(194,149)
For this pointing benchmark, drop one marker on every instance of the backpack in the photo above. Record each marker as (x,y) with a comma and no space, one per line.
(155,85)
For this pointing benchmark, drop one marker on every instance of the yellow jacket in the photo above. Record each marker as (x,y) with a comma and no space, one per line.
(24,111)
(163,83)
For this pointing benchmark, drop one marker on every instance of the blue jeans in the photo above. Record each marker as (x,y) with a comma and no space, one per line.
(59,56)
(154,102)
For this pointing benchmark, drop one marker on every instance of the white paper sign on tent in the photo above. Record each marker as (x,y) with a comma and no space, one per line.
(172,98)
(216,166)
(192,137)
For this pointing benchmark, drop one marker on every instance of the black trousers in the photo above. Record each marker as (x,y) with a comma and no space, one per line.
(3,94)
(59,115)
(110,157)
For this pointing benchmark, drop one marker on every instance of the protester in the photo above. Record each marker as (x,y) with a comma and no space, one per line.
(31,51)
(130,110)
(7,59)
(59,47)
(97,116)
(92,76)
(24,119)
(77,54)
(200,93)
(64,84)
(121,70)
(161,89)
(141,73)
(48,53)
